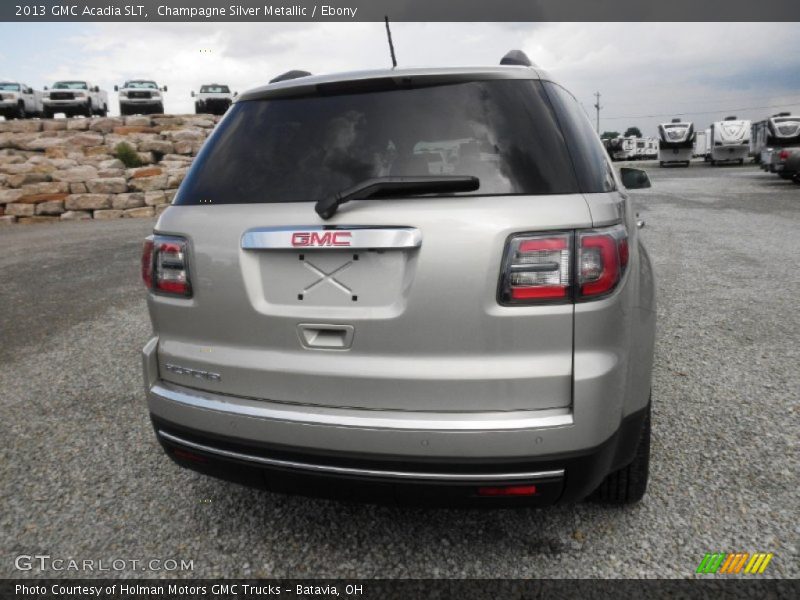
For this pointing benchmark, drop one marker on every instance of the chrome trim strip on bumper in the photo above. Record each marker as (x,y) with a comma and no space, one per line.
(405,475)
(338,237)
(362,418)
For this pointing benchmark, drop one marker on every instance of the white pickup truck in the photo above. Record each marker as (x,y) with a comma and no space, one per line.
(140,96)
(19,100)
(213,98)
(74,98)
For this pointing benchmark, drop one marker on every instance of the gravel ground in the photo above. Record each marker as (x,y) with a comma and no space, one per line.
(83,477)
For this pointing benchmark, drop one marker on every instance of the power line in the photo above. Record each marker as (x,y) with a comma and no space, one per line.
(709,112)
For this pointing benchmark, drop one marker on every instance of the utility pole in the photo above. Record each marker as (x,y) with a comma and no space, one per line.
(597,106)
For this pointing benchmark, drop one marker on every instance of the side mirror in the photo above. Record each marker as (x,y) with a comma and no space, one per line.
(45,88)
(30,91)
(192,93)
(634,179)
(235,93)
(165,88)
(97,88)
(116,88)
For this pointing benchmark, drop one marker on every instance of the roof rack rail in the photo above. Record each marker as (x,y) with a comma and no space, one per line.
(293,74)
(517,58)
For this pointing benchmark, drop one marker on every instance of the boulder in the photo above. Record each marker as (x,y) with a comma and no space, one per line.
(108,214)
(77,124)
(76,215)
(45,187)
(24,179)
(159,146)
(142,212)
(110,185)
(54,125)
(20,210)
(128,201)
(87,201)
(39,198)
(51,207)
(7,196)
(105,124)
(155,198)
(75,174)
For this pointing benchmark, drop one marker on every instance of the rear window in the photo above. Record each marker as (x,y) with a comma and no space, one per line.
(505,132)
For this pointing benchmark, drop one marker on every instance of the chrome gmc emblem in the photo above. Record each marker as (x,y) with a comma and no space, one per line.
(331,238)
(304,239)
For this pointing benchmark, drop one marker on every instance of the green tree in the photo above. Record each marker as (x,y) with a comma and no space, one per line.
(634,131)
(609,135)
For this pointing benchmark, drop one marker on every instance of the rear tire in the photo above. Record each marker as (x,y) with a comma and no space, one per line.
(629,484)
(88,112)
(661,163)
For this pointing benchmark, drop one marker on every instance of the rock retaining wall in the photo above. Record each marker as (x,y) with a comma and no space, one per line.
(66,169)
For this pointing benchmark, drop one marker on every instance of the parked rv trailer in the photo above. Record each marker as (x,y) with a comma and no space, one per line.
(676,142)
(730,140)
(700,145)
(651,150)
(707,155)
(627,148)
(778,131)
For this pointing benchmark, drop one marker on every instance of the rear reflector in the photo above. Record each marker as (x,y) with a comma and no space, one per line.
(186,455)
(509,490)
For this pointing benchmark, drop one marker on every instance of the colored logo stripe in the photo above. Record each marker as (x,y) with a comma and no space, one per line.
(721,562)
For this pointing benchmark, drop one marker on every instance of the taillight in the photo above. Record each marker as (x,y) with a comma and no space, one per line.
(783,155)
(602,259)
(537,268)
(165,266)
(563,267)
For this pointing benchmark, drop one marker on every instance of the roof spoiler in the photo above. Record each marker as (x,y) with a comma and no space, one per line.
(517,58)
(294,74)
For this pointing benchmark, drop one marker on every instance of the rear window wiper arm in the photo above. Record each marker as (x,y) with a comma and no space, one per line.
(387,187)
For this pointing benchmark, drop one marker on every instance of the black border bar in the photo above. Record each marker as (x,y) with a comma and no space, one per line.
(400,10)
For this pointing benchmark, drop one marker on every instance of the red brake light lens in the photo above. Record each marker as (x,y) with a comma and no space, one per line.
(602,258)
(165,267)
(563,266)
(537,268)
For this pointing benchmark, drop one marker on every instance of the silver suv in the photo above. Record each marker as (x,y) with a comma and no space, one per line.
(423,284)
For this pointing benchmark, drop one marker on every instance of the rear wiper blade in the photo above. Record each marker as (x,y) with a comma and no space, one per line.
(387,187)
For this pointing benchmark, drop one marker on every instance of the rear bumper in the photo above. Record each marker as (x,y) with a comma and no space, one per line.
(548,479)
(390,455)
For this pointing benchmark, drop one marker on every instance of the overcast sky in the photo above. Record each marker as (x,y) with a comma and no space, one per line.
(646,72)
